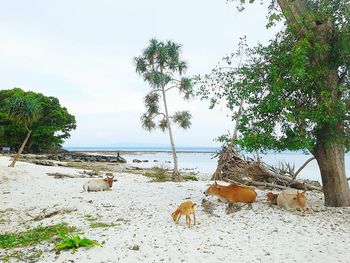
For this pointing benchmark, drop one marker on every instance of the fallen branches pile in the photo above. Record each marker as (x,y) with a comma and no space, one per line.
(237,169)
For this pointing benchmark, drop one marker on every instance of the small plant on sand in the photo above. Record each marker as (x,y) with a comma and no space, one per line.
(74,242)
(190,178)
(158,175)
(96,223)
(102,225)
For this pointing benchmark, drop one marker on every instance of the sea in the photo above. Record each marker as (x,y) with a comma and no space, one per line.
(202,161)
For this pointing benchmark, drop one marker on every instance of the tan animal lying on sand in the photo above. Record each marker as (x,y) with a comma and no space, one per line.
(272,198)
(232,193)
(292,200)
(186,208)
(95,185)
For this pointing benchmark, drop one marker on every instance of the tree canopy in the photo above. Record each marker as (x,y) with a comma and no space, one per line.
(159,65)
(52,122)
(296,89)
(287,85)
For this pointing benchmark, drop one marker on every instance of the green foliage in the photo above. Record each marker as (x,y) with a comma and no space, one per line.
(19,109)
(33,236)
(74,242)
(96,223)
(296,89)
(190,178)
(159,65)
(23,109)
(158,175)
(102,225)
(182,118)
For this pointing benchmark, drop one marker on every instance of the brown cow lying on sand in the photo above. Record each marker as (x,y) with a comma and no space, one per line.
(232,193)
(292,200)
(272,198)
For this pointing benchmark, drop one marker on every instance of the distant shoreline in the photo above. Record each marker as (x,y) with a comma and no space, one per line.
(127,150)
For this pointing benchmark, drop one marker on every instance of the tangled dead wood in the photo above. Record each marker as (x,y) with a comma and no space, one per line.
(234,168)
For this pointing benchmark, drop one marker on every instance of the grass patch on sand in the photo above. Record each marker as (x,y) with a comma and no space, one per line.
(33,236)
(23,256)
(102,225)
(96,223)
(158,174)
(190,178)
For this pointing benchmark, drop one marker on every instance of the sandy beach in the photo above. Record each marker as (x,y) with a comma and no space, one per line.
(141,213)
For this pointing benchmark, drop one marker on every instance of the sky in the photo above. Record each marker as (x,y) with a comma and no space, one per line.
(82,52)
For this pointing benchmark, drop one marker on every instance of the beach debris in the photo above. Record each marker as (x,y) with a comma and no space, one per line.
(234,168)
(49,212)
(43,162)
(135,247)
(208,207)
(233,207)
(60,175)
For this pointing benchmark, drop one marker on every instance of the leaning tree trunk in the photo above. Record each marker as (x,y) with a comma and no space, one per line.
(227,153)
(330,158)
(20,149)
(176,175)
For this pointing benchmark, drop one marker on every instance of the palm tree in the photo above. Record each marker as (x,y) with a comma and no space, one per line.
(158,65)
(25,110)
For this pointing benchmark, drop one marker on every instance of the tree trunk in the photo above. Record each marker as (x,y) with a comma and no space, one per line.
(176,175)
(293,10)
(20,149)
(330,159)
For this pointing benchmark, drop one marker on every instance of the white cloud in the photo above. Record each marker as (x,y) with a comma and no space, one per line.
(81,52)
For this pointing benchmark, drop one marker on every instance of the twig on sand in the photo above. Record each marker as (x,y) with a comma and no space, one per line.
(44,214)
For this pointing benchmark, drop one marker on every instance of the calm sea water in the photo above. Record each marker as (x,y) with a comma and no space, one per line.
(200,159)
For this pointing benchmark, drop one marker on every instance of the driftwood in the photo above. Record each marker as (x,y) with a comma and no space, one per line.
(47,213)
(60,175)
(234,168)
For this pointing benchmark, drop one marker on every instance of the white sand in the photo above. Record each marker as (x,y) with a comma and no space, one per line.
(263,233)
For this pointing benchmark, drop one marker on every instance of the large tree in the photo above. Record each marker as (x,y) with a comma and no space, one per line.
(159,65)
(52,125)
(296,89)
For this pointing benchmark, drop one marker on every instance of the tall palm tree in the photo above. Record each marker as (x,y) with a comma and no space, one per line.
(159,64)
(25,110)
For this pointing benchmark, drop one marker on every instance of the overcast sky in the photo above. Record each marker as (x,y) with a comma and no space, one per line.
(81,52)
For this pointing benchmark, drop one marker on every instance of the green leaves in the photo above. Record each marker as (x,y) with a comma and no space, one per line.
(49,121)
(159,65)
(24,109)
(74,242)
(183,119)
(297,87)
